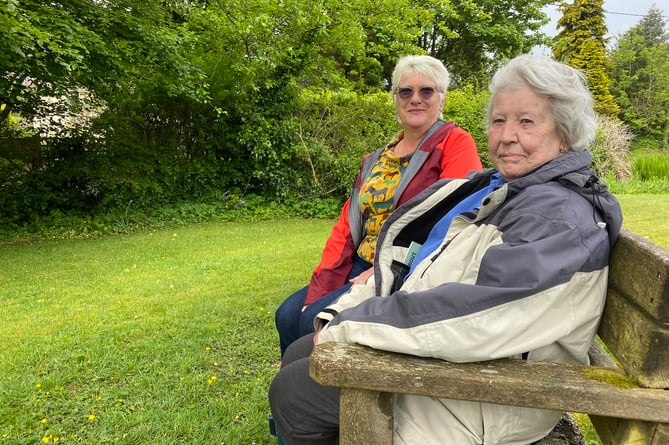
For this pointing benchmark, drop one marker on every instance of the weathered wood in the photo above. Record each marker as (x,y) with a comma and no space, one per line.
(639,269)
(641,344)
(635,323)
(630,432)
(368,415)
(586,389)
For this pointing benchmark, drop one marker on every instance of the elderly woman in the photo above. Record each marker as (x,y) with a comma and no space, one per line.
(513,263)
(427,149)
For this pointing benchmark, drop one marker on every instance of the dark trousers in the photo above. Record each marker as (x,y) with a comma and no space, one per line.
(305,412)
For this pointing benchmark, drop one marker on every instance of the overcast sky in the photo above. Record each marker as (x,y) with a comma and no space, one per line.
(620,15)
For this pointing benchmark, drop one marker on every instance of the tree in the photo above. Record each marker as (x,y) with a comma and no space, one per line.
(51,49)
(473,37)
(205,98)
(640,76)
(581,44)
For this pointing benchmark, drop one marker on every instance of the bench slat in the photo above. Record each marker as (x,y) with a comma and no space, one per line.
(639,269)
(640,343)
(635,322)
(544,385)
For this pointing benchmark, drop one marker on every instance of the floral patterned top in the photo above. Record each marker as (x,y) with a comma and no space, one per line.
(377,196)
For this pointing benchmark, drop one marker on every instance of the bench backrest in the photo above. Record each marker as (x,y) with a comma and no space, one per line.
(635,328)
(635,323)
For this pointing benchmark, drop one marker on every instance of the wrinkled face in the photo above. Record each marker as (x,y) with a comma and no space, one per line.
(522,134)
(415,109)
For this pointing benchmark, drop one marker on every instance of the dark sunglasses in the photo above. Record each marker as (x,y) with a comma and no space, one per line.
(406,93)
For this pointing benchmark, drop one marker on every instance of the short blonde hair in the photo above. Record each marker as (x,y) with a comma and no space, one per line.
(420,64)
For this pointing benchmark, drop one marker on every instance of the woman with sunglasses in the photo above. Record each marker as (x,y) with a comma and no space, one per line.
(425,150)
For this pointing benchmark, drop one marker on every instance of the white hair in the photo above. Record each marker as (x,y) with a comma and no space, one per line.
(572,106)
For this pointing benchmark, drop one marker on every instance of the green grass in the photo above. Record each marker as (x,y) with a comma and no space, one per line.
(163,337)
(646,214)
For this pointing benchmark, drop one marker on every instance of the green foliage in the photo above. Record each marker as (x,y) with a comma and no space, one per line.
(473,37)
(194,100)
(581,44)
(640,77)
(467,108)
(650,166)
(645,143)
(335,130)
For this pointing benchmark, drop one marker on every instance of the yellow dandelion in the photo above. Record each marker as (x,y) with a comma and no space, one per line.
(38,385)
(207,348)
(44,420)
(45,439)
(91,417)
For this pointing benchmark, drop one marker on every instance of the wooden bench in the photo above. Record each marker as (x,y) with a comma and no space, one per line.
(627,399)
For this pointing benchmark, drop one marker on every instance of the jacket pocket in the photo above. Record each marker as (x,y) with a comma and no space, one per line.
(399,271)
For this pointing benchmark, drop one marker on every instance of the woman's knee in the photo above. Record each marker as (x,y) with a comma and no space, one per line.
(304,411)
(289,312)
(299,349)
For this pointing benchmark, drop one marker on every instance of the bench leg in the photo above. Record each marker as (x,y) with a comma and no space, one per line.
(630,432)
(366,417)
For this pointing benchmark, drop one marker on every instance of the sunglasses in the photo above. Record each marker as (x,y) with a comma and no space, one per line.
(406,93)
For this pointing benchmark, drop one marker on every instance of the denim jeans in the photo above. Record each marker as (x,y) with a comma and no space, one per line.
(292,323)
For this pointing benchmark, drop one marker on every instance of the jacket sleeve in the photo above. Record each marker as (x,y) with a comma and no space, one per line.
(542,282)
(354,296)
(459,154)
(336,259)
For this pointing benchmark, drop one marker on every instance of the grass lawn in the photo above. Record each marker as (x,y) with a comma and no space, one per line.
(647,215)
(164,337)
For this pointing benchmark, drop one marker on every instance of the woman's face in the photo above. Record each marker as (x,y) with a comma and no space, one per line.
(522,134)
(415,109)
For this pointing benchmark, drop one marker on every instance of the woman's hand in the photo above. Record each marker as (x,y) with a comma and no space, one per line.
(363,277)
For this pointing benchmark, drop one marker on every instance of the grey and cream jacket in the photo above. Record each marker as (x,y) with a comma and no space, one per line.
(524,276)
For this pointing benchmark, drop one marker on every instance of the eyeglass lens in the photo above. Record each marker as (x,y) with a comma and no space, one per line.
(407,92)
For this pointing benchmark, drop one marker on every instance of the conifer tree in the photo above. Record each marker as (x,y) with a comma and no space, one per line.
(640,77)
(581,44)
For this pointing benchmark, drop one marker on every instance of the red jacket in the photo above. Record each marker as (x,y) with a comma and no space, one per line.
(447,152)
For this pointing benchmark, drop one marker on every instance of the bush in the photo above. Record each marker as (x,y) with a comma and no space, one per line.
(610,149)
(333,131)
(467,108)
